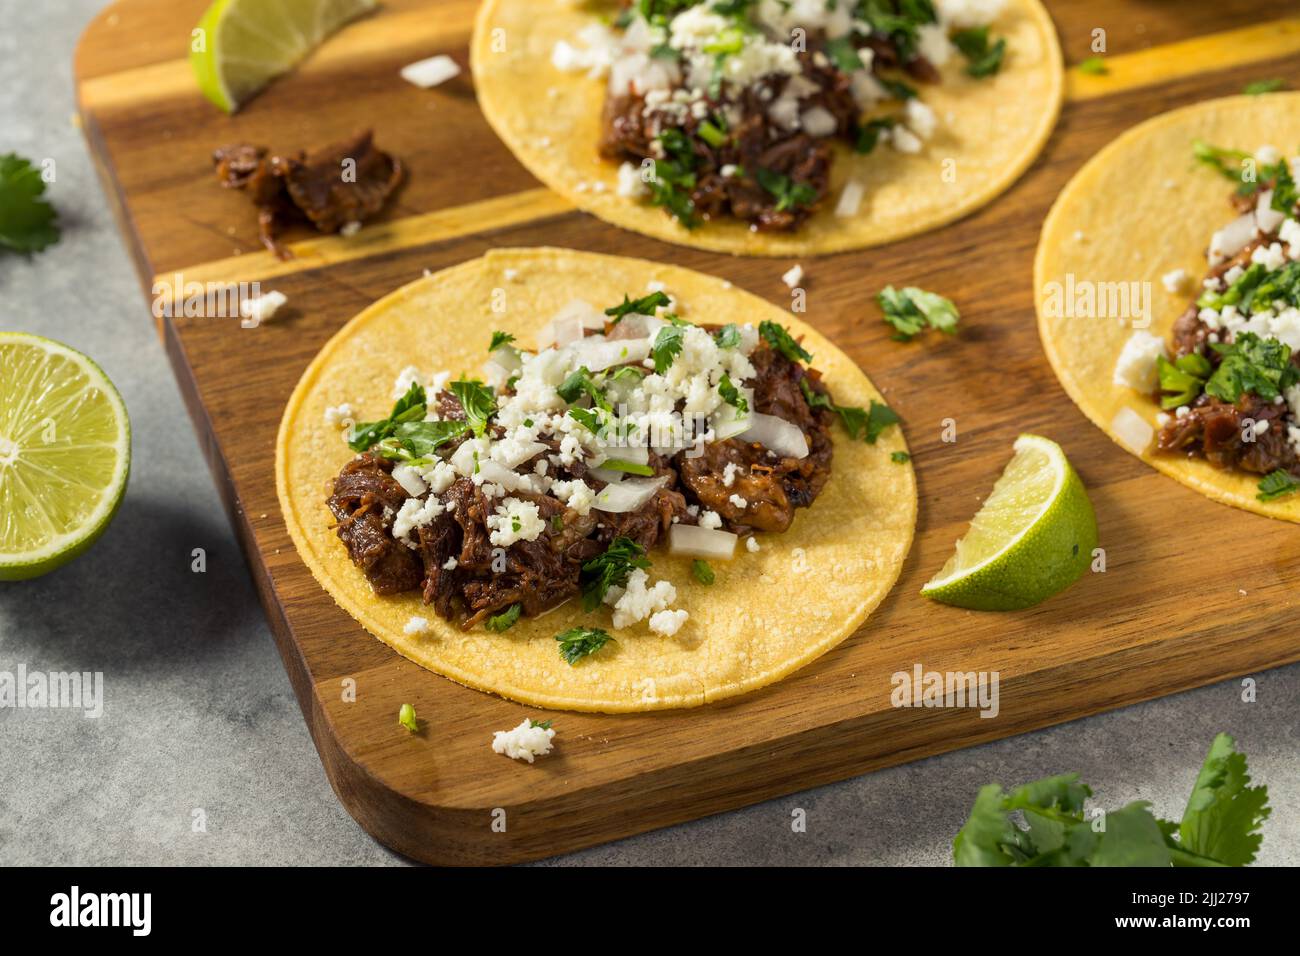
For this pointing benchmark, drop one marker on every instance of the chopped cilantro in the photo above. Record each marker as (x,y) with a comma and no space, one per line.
(727,337)
(499,339)
(667,346)
(28,222)
(581,383)
(610,569)
(579,642)
(629,467)
(1181,380)
(1277,484)
(711,134)
(1260,87)
(731,395)
(899,457)
(985,58)
(1285,195)
(1261,367)
(859,423)
(788,193)
(406,717)
(587,417)
(869,133)
(897,88)
(702,572)
(843,53)
(540,724)
(1229,163)
(646,305)
(478,402)
(909,310)
(409,408)
(776,336)
(505,620)
(1094,66)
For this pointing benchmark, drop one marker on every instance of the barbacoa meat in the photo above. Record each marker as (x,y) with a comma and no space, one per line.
(316,186)
(451,559)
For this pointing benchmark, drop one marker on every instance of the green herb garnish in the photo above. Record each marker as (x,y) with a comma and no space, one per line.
(581,383)
(701,571)
(1261,367)
(1094,66)
(869,133)
(727,337)
(1219,827)
(1260,87)
(866,424)
(477,401)
(28,222)
(667,346)
(579,642)
(587,417)
(985,58)
(899,457)
(610,569)
(788,193)
(540,724)
(1277,484)
(776,336)
(843,54)
(500,339)
(731,395)
(909,310)
(505,620)
(646,305)
(711,134)
(409,408)
(630,467)
(1181,380)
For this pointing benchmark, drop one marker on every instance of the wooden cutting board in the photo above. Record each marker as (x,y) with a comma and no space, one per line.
(1193,592)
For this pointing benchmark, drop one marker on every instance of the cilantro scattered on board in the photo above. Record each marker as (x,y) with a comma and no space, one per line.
(1260,87)
(28,222)
(1219,826)
(1093,66)
(910,310)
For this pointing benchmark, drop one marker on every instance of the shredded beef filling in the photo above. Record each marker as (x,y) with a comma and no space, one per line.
(451,559)
(310,186)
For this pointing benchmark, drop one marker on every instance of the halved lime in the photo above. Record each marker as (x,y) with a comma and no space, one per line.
(1033,537)
(241,45)
(65,452)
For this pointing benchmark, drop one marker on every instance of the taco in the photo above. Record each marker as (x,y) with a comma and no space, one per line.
(661,491)
(1168,284)
(767,127)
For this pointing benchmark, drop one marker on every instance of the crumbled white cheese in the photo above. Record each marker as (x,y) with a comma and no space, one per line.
(1136,365)
(1271,257)
(339,415)
(710,520)
(450,564)
(965,14)
(349,229)
(410,480)
(262,307)
(635,601)
(933,44)
(920,118)
(1175,280)
(515,520)
(738,501)
(416,625)
(526,742)
(668,622)
(729,474)
(630,183)
(415,513)
(904,140)
(577,494)
(793,276)
(1290,234)
(405,379)
(751,544)
(427,74)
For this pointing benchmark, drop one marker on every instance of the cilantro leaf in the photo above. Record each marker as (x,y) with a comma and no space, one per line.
(843,53)
(579,642)
(865,423)
(409,408)
(610,569)
(727,337)
(788,193)
(28,222)
(899,457)
(500,339)
(1250,364)
(909,310)
(540,724)
(1224,813)
(731,395)
(776,336)
(985,58)
(701,571)
(478,402)
(667,346)
(869,133)
(505,620)
(581,383)
(646,305)
(1260,87)
(411,440)
(1228,163)
(1093,66)
(1277,484)
(587,417)
(1285,195)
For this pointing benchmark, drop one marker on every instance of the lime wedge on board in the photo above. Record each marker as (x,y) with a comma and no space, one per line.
(245,44)
(1034,535)
(65,452)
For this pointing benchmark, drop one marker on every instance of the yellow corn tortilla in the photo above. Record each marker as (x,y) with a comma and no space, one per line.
(1140,209)
(768,613)
(990,131)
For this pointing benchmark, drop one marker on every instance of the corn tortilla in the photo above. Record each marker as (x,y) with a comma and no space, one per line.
(1138,210)
(990,131)
(768,613)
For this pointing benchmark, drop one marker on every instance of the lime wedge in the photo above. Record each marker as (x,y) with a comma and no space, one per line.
(241,45)
(1033,537)
(65,451)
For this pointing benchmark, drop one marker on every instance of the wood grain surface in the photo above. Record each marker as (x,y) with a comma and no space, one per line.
(1153,623)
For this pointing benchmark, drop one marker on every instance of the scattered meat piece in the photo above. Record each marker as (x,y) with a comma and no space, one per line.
(314,186)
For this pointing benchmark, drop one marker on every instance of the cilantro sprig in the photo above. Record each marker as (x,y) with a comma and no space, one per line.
(646,305)
(1250,364)
(776,336)
(610,569)
(505,620)
(478,402)
(1220,825)
(732,396)
(865,423)
(579,642)
(28,223)
(667,346)
(910,310)
(788,193)
(1277,484)
(985,57)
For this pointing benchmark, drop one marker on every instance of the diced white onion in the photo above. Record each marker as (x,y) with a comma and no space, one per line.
(497,474)
(628,494)
(776,434)
(1266,217)
(570,324)
(410,480)
(636,454)
(631,326)
(1232,238)
(429,73)
(850,199)
(727,424)
(519,452)
(693,541)
(598,353)
(1132,430)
